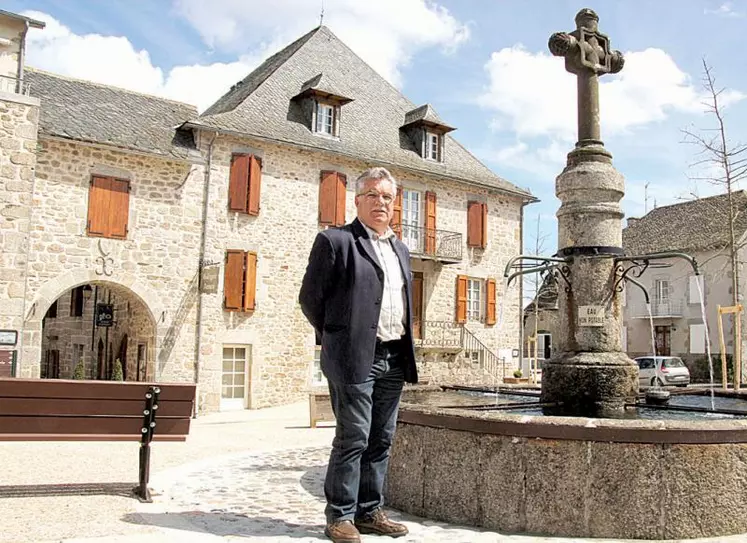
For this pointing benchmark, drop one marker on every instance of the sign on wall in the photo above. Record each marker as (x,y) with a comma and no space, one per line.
(591,315)
(104,315)
(8,337)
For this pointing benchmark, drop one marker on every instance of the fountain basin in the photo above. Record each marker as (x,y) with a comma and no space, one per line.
(570,476)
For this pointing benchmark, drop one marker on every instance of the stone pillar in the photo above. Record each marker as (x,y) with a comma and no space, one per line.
(19,116)
(589,373)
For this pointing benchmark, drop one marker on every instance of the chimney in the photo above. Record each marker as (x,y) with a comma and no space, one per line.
(632,221)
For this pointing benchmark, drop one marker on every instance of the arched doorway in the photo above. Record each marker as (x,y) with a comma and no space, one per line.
(93,325)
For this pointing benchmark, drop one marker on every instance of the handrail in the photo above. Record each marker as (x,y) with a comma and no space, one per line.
(491,361)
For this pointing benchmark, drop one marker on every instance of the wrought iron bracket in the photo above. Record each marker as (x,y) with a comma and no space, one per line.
(640,263)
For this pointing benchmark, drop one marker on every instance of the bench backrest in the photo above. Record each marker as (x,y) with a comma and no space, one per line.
(57,410)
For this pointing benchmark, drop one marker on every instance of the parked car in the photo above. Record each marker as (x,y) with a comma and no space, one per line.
(662,370)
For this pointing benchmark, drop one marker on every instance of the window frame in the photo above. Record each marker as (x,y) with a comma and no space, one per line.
(234,402)
(319,125)
(316,376)
(480,300)
(430,139)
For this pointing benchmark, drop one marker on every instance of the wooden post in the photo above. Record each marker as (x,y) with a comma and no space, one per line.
(738,350)
(722,347)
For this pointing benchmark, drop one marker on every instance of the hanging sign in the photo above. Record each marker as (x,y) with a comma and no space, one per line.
(591,315)
(104,314)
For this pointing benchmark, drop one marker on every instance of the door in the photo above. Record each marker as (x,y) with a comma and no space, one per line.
(417,305)
(235,377)
(663,340)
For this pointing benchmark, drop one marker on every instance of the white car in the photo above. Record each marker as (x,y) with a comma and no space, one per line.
(662,370)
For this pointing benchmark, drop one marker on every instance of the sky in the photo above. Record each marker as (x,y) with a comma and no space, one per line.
(483,64)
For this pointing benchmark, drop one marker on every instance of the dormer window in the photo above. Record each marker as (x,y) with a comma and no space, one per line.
(326,117)
(321,102)
(427,132)
(433,146)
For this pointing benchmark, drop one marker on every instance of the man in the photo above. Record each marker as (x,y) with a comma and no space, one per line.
(357,294)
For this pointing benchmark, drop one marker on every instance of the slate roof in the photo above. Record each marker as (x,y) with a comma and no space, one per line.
(261,106)
(547,297)
(696,225)
(323,84)
(425,114)
(95,113)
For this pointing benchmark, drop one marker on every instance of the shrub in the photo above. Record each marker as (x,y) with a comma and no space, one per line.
(79,373)
(117,374)
(699,372)
(518,373)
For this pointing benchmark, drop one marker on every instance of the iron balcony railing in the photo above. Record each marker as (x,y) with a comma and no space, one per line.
(14,85)
(659,308)
(431,243)
(438,335)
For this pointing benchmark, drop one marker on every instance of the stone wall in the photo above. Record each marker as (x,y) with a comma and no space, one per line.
(156,265)
(282,342)
(18,124)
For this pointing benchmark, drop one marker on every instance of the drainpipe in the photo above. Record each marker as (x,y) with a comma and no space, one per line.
(21,59)
(521,289)
(201,260)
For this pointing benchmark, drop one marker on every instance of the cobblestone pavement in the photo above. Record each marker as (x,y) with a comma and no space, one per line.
(278,496)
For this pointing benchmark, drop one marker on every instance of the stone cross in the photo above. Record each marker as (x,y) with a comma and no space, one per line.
(587,55)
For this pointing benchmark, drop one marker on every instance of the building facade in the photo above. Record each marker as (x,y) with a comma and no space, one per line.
(175,243)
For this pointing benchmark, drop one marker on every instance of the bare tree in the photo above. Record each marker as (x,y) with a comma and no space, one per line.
(724,164)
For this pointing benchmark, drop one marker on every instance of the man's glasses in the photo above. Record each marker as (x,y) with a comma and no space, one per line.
(373,196)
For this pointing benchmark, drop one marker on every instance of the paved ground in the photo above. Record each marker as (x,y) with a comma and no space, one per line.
(245,476)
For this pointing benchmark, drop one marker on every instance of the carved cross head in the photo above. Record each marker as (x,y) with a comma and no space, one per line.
(586,50)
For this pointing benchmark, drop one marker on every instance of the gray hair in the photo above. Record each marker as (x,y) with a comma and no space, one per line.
(377,174)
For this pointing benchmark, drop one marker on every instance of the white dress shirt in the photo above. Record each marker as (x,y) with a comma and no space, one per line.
(392,316)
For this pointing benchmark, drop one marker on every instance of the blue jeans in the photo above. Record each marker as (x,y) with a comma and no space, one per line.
(366,416)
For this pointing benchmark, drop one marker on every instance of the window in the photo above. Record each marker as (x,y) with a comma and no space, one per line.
(433,146)
(411,219)
(475,357)
(244,184)
(317,377)
(474,299)
(661,290)
(326,119)
(108,207)
(76,302)
(697,339)
(234,376)
(51,368)
(240,280)
(694,294)
(332,198)
(544,346)
(477,224)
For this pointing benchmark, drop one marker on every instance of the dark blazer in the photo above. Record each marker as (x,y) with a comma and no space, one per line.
(341,297)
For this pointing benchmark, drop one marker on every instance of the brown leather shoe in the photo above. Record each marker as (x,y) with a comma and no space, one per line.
(342,531)
(378,523)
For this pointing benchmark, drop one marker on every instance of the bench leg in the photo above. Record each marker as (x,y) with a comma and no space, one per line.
(142,491)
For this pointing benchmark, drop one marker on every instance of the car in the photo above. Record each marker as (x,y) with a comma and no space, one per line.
(662,370)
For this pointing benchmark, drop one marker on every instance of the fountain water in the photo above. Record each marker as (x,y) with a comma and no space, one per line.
(707,341)
(578,476)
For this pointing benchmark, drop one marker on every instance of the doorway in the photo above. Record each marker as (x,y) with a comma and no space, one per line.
(663,336)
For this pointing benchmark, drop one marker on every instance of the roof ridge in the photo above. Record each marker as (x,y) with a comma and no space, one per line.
(694,201)
(106,86)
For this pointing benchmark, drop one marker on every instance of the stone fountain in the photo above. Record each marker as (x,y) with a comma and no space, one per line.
(594,473)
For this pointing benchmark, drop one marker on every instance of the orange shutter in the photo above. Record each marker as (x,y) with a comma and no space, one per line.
(474,226)
(119,208)
(327,197)
(461,299)
(238,185)
(396,222)
(233,279)
(98,206)
(430,222)
(250,281)
(484,227)
(490,316)
(255,182)
(340,187)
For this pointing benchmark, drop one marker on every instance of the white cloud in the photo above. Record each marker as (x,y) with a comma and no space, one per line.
(385,33)
(531,95)
(113,60)
(724,10)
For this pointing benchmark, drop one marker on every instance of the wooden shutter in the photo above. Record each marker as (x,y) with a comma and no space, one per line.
(119,208)
(328,198)
(417,305)
(233,280)
(396,222)
(250,281)
(238,184)
(474,226)
(430,222)
(484,227)
(461,299)
(255,182)
(98,206)
(340,197)
(490,295)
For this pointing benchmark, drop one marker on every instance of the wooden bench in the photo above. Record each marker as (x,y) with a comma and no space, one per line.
(61,410)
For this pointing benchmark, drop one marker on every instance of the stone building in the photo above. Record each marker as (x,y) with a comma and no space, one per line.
(176,242)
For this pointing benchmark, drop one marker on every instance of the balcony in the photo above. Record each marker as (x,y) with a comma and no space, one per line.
(659,309)
(438,336)
(13,85)
(431,244)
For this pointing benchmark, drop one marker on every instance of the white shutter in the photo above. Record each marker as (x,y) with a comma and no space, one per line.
(693,290)
(697,339)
